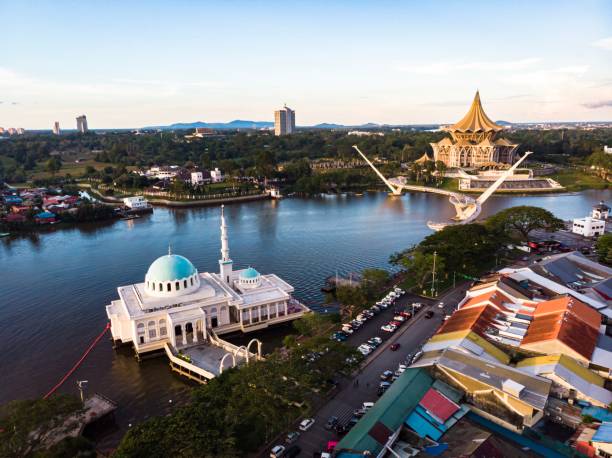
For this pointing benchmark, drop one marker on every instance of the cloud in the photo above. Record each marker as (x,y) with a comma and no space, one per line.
(604,43)
(442,68)
(600,104)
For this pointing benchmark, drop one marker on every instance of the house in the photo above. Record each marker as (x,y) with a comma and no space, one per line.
(45,217)
(15,218)
(135,202)
(602,440)
(588,226)
(216,175)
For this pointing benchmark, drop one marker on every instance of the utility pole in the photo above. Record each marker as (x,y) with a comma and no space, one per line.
(433,275)
(81,384)
(454,278)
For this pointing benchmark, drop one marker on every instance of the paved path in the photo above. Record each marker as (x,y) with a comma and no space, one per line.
(410,336)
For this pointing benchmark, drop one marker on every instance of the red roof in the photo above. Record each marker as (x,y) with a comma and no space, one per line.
(494,297)
(438,405)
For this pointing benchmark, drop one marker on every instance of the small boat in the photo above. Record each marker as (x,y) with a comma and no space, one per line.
(129,217)
(4,234)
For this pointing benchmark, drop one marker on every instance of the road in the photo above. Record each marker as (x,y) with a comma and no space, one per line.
(411,336)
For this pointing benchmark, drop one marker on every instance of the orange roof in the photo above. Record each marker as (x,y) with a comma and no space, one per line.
(494,297)
(568,320)
(572,305)
(476,319)
(476,120)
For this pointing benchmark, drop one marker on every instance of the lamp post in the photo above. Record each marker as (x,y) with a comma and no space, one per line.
(81,384)
(433,275)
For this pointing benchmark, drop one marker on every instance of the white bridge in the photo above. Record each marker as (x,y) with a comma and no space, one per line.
(467,208)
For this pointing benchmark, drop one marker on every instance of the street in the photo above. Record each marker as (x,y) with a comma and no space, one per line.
(410,336)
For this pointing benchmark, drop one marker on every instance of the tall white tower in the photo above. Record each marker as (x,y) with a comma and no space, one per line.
(225,263)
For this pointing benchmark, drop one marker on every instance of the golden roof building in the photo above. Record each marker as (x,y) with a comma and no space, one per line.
(475,141)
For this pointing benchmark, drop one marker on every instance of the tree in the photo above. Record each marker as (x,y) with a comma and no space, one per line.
(421,265)
(373,281)
(53,165)
(523,220)
(27,425)
(604,248)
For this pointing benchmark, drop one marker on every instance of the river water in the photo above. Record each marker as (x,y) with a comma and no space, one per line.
(54,285)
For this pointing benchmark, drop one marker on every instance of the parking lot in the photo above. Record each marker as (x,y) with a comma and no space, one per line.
(362,387)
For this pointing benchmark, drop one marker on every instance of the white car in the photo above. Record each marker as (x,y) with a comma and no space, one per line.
(378,340)
(388,328)
(277,451)
(306,424)
(441,305)
(364,351)
(399,318)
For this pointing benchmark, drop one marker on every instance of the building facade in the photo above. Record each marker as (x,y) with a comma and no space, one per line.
(474,142)
(180,306)
(82,124)
(56,128)
(284,121)
(588,226)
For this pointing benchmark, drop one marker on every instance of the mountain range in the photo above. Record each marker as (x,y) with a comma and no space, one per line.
(247,124)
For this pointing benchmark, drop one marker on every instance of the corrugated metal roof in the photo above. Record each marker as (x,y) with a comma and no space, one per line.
(438,405)
(604,433)
(390,410)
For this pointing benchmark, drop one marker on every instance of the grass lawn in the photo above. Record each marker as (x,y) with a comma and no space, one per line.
(578,180)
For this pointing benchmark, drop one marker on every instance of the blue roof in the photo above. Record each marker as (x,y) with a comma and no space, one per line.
(598,413)
(45,215)
(169,268)
(249,273)
(604,433)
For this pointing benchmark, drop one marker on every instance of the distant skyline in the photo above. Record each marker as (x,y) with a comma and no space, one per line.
(143,63)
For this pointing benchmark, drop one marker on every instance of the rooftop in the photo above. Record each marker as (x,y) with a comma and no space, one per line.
(475,120)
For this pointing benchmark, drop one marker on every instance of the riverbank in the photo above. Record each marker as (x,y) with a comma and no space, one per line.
(178,203)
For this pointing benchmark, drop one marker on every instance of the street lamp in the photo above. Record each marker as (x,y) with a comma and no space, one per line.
(81,384)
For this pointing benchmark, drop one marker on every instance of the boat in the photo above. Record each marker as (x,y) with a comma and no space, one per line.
(4,234)
(129,217)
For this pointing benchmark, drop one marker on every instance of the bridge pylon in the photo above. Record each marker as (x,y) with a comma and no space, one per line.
(395,190)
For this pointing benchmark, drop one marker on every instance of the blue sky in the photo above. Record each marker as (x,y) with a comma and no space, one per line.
(137,63)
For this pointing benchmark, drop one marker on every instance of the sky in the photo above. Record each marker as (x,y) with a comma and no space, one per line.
(129,64)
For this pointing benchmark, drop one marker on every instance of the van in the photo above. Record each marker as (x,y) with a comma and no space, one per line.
(367,406)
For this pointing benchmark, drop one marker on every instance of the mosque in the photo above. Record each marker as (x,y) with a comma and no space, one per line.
(177,307)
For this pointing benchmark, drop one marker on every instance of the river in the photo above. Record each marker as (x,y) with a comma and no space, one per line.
(55,284)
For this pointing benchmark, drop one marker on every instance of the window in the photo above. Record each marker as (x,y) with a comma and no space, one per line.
(177,286)
(184,283)
(191,281)
(162,327)
(168,287)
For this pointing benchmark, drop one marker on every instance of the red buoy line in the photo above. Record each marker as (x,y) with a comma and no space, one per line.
(79,362)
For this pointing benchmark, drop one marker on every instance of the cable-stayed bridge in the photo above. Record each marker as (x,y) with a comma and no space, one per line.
(466,207)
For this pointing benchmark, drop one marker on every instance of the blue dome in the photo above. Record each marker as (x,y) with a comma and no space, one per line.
(169,268)
(249,273)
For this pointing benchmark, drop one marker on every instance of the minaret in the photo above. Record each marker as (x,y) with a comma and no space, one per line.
(225,263)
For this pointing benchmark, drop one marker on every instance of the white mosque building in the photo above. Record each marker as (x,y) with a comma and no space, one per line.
(181,307)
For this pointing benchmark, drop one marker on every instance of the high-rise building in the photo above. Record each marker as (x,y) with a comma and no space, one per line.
(284,121)
(82,124)
(56,128)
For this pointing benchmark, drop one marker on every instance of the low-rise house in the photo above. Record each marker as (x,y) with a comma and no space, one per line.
(600,211)
(45,217)
(588,226)
(216,175)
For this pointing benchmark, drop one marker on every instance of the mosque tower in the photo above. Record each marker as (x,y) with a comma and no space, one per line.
(225,263)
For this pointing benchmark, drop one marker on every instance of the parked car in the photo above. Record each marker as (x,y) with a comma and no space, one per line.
(440,305)
(429,314)
(395,323)
(388,328)
(277,451)
(367,405)
(292,437)
(399,318)
(358,413)
(394,347)
(386,375)
(331,422)
(306,424)
(292,451)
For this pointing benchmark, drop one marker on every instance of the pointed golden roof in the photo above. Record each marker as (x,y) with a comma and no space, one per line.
(475,120)
(424,158)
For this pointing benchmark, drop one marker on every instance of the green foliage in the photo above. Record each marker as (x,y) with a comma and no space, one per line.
(373,281)
(53,165)
(522,220)
(351,296)
(604,248)
(26,424)
(312,324)
(236,413)
(421,266)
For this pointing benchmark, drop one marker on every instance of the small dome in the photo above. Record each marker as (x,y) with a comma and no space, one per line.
(170,267)
(249,273)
